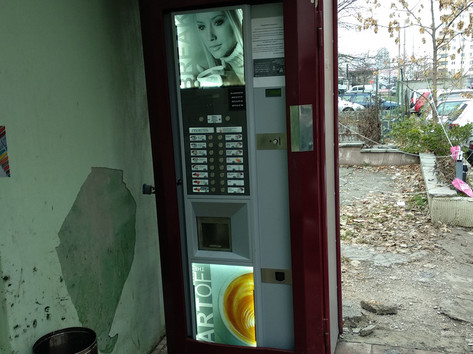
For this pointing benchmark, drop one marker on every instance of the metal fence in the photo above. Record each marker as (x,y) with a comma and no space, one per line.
(350,122)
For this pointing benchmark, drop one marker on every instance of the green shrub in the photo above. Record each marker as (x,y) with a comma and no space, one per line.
(414,135)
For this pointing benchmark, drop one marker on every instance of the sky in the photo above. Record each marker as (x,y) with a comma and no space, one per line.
(355,42)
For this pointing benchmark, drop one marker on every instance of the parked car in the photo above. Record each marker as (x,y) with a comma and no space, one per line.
(415,95)
(453,94)
(384,89)
(448,102)
(384,104)
(342,85)
(422,103)
(463,114)
(368,100)
(361,88)
(365,99)
(347,106)
(446,109)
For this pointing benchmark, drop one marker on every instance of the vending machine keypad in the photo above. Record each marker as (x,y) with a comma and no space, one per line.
(215,142)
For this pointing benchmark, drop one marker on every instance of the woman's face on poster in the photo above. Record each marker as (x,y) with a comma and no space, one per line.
(216,33)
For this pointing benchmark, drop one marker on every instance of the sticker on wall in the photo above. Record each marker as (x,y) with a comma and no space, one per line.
(224,304)
(4,163)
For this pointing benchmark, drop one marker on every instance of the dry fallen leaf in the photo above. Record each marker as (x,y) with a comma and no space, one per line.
(388,219)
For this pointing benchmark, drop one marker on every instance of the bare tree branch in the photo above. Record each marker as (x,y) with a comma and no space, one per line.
(346,10)
(445,24)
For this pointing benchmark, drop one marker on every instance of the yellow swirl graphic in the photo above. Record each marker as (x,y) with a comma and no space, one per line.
(239,308)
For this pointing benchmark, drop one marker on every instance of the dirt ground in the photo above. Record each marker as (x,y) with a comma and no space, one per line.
(415,279)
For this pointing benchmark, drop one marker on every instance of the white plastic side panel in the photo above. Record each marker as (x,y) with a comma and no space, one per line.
(330,177)
(274,300)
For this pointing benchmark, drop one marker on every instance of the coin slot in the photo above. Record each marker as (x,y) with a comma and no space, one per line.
(280,276)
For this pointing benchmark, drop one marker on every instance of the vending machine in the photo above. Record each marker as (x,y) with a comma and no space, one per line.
(234,248)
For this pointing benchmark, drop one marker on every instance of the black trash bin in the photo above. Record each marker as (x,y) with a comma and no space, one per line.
(73,340)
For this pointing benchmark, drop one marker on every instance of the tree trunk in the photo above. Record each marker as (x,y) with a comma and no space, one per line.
(434,63)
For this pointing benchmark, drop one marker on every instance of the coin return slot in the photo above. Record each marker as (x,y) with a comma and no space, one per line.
(280,276)
(276,276)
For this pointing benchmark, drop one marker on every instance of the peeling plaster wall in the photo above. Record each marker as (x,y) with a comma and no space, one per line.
(96,250)
(4,328)
(72,97)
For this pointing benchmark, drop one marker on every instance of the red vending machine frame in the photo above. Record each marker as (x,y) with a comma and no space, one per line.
(303,37)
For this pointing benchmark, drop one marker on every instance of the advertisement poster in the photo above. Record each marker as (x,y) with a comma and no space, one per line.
(5,165)
(224,304)
(267,36)
(210,48)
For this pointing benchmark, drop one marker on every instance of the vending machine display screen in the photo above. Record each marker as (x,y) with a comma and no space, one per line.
(210,48)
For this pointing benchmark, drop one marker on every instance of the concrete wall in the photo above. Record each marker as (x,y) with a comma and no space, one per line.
(78,240)
(446,205)
(355,154)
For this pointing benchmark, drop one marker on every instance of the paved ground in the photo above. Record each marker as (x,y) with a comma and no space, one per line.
(356,184)
(363,348)
(429,278)
(342,348)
